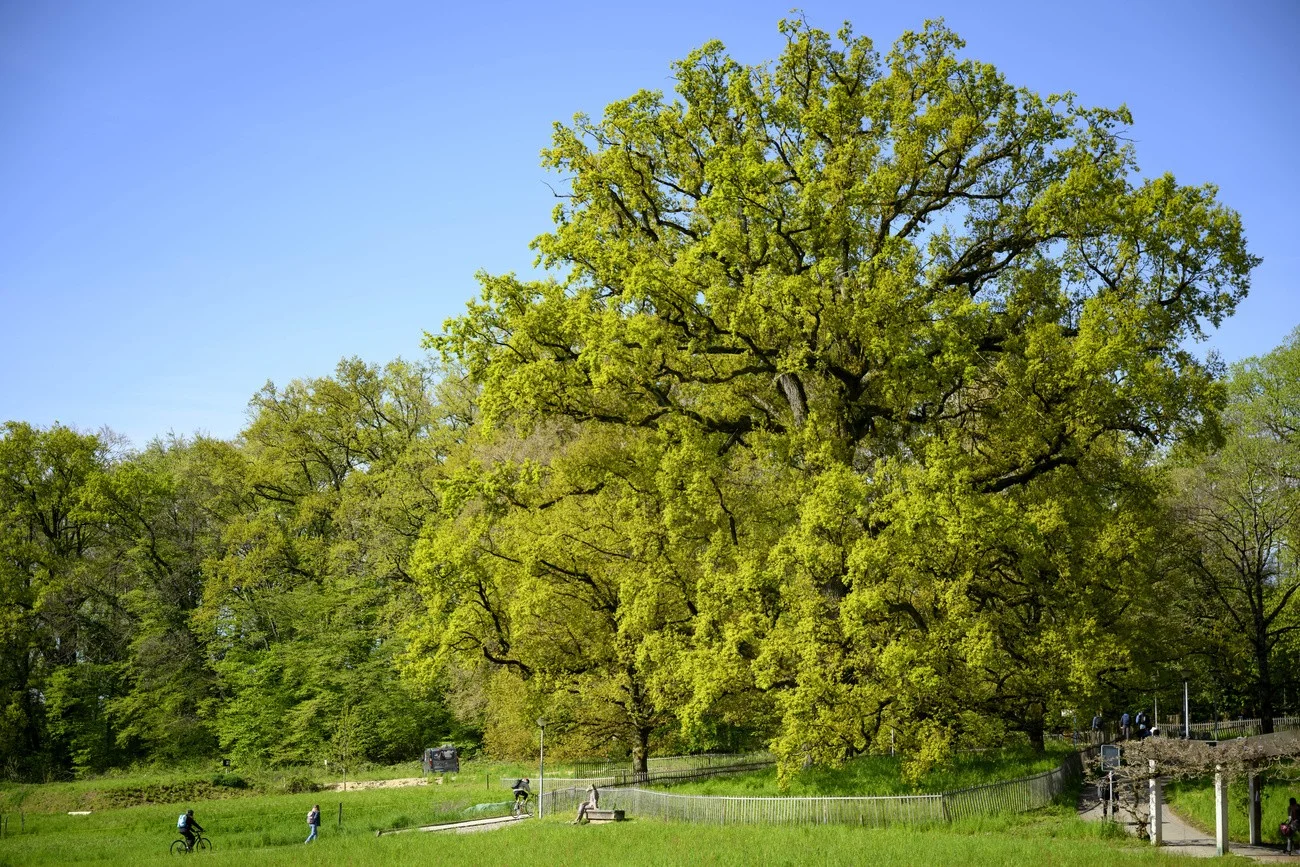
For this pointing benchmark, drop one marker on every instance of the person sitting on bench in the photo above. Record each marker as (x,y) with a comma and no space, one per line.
(592,803)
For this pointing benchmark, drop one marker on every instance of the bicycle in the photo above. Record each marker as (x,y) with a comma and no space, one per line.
(520,808)
(201,844)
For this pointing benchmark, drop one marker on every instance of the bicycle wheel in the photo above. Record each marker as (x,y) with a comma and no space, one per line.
(178,848)
(203,844)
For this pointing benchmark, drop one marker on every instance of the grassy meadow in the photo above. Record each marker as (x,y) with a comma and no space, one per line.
(882,775)
(270,830)
(257,827)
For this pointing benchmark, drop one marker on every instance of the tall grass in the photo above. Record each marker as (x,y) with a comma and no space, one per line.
(270,830)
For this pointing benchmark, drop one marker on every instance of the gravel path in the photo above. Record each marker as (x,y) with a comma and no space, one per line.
(1178,837)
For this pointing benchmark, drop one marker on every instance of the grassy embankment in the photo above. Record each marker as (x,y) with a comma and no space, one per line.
(204,782)
(1194,801)
(882,775)
(269,829)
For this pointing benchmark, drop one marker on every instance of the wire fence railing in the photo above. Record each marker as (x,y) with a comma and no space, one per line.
(742,810)
(1015,796)
(1018,795)
(669,776)
(1230,728)
(609,768)
(664,772)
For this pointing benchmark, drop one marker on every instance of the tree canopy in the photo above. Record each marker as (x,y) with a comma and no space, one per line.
(915,331)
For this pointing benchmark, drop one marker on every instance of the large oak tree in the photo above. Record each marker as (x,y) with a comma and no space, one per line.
(941,319)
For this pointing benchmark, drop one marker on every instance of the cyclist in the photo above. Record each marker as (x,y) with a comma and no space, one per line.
(187,826)
(522,792)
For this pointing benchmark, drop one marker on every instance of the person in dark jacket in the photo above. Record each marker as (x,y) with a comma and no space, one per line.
(187,826)
(313,823)
(522,790)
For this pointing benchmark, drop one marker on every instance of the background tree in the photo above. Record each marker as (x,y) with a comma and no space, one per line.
(304,599)
(562,561)
(63,626)
(160,507)
(1240,508)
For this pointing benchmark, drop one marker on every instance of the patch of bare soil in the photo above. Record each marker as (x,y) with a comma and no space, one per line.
(356,785)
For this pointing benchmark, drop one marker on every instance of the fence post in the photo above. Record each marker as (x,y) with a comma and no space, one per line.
(1253,809)
(1220,812)
(340,814)
(1156,805)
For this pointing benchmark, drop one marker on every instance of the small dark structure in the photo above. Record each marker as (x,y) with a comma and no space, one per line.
(441,760)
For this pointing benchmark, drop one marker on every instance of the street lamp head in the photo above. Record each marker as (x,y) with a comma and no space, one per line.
(541,722)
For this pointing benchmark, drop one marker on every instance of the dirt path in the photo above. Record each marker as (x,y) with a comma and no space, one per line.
(357,785)
(469,826)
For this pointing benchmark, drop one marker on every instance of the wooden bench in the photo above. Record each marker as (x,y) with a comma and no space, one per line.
(599,817)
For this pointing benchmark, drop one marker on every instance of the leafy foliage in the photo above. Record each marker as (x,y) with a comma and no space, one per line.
(900,339)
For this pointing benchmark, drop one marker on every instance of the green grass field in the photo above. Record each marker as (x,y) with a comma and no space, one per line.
(195,783)
(270,830)
(1194,801)
(255,828)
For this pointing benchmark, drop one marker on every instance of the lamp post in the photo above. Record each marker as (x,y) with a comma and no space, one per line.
(1187,718)
(541,770)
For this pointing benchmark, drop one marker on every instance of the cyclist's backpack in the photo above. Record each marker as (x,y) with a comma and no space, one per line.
(181,822)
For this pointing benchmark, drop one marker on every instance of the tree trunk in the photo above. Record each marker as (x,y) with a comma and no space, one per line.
(1034,727)
(1264,691)
(641,751)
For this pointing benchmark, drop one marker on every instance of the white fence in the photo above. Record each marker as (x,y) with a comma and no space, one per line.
(1232,728)
(1025,793)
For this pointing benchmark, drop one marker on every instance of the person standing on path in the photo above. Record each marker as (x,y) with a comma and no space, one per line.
(313,823)
(1293,820)
(1123,726)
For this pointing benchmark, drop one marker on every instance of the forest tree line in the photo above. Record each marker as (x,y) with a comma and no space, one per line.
(856,408)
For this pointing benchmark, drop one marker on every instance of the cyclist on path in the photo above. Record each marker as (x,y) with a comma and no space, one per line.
(522,791)
(187,825)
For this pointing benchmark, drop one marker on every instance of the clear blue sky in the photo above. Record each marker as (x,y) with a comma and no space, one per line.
(196,197)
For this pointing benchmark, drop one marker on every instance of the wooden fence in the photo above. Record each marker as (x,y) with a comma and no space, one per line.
(1025,793)
(1014,796)
(1233,728)
(632,778)
(874,812)
(597,769)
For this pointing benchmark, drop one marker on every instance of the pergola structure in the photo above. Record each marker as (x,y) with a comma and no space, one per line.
(1152,760)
